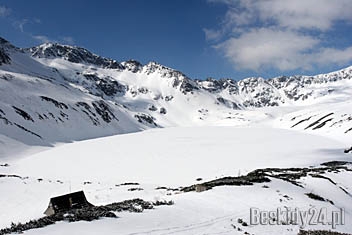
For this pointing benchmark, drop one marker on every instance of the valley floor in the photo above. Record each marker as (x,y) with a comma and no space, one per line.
(174,158)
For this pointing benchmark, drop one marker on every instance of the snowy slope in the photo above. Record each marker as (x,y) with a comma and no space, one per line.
(54,93)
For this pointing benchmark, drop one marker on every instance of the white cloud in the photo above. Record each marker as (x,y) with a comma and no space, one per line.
(20,24)
(37,21)
(212,35)
(262,48)
(331,55)
(67,39)
(4,11)
(279,33)
(41,38)
(298,14)
(46,39)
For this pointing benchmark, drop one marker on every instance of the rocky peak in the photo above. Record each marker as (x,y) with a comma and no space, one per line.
(2,40)
(179,80)
(211,84)
(132,65)
(4,57)
(154,67)
(73,54)
(5,44)
(4,47)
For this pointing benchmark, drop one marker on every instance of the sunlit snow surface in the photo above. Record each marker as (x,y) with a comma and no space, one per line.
(174,157)
(177,156)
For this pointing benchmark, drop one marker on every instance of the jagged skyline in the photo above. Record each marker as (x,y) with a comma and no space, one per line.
(203,39)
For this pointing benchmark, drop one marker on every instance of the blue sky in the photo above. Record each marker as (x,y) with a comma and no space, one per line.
(202,38)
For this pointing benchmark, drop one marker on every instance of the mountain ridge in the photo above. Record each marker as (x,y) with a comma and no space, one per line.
(56,93)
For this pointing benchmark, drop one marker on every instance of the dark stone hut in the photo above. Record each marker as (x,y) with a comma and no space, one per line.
(67,202)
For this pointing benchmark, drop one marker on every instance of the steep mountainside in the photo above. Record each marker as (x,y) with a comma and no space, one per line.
(56,93)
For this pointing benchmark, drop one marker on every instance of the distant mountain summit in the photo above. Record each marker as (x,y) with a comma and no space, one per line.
(72,54)
(4,57)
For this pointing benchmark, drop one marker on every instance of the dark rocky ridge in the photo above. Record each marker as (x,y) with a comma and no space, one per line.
(4,58)
(259,92)
(73,54)
(291,175)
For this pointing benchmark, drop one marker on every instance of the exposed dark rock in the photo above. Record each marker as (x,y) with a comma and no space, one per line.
(10,176)
(323,177)
(86,109)
(179,79)
(318,198)
(7,77)
(64,115)
(243,223)
(303,120)
(133,66)
(4,57)
(88,213)
(187,86)
(91,77)
(213,85)
(74,55)
(135,189)
(256,176)
(55,102)
(318,121)
(162,110)
(107,85)
(110,87)
(348,150)
(5,120)
(162,203)
(143,90)
(40,116)
(291,175)
(145,119)
(168,98)
(26,130)
(103,109)
(23,114)
(134,205)
(153,108)
(227,103)
(335,163)
(166,188)
(128,183)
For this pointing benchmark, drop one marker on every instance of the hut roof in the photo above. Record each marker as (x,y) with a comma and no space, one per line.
(69,201)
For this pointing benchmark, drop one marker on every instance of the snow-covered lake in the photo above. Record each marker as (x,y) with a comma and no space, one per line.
(175,157)
(178,156)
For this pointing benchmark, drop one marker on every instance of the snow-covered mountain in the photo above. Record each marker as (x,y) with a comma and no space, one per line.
(57,93)
(263,143)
